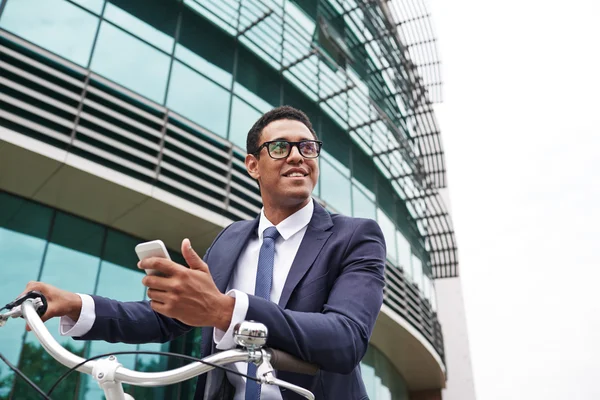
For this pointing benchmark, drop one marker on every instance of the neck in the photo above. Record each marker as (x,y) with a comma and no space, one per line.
(277,213)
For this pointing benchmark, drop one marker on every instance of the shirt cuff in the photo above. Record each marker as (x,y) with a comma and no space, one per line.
(224,340)
(68,327)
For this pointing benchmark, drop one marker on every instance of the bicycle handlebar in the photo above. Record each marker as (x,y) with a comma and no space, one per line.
(279,359)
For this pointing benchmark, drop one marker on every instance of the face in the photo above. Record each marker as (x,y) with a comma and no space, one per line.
(286,182)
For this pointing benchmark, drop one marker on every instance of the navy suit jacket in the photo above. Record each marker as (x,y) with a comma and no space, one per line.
(326,313)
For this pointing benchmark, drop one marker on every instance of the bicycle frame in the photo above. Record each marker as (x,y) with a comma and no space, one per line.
(110,374)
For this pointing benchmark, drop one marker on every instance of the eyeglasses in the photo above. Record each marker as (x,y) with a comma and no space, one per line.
(278,149)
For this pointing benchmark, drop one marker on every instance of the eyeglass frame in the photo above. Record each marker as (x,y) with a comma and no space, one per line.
(292,145)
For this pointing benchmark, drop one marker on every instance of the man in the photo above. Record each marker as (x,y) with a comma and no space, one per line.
(314,279)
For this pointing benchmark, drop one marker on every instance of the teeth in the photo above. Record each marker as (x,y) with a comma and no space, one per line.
(296,174)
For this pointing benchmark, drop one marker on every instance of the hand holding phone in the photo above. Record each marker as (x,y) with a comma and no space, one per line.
(155,248)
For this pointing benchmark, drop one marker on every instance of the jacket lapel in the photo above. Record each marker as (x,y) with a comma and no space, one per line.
(314,239)
(229,252)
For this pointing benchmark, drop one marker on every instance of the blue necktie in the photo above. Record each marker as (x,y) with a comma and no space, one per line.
(262,288)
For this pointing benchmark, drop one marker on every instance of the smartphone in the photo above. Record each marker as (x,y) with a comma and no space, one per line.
(155,248)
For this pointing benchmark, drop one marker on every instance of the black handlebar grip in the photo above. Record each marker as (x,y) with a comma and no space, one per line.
(283,361)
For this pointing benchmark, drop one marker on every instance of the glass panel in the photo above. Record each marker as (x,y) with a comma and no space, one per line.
(71,263)
(252,98)
(433,297)
(23,229)
(243,116)
(206,40)
(260,79)
(206,68)
(417,267)
(362,206)
(130,62)
(389,233)
(119,279)
(404,254)
(382,380)
(427,287)
(140,28)
(56,25)
(93,5)
(199,99)
(335,188)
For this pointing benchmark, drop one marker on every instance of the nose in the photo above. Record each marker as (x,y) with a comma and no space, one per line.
(295,156)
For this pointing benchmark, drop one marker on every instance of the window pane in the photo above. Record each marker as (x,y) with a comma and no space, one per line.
(335,188)
(21,253)
(205,39)
(94,6)
(417,271)
(381,378)
(389,233)
(71,264)
(140,28)
(56,25)
(203,66)
(119,279)
(362,206)
(404,253)
(243,116)
(199,99)
(130,62)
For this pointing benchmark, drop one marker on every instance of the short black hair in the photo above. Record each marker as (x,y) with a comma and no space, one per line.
(283,112)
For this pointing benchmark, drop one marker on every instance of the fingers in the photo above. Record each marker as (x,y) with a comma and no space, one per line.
(191,257)
(163,265)
(157,282)
(158,295)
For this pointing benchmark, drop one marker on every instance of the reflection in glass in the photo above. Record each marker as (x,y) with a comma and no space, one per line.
(335,188)
(130,62)
(198,98)
(56,25)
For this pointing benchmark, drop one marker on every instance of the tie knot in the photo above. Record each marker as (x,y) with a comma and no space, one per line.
(271,233)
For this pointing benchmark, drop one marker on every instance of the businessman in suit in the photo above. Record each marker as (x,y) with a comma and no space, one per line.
(314,279)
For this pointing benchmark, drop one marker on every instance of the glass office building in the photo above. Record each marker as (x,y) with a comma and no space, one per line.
(125,120)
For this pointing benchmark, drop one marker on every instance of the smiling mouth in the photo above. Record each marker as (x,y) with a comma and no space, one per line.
(295,175)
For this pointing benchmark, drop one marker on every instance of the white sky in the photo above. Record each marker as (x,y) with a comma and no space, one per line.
(521,129)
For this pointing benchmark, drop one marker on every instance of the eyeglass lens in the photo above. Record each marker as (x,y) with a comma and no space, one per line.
(280,149)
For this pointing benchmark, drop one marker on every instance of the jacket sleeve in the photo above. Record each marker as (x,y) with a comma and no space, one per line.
(336,339)
(132,322)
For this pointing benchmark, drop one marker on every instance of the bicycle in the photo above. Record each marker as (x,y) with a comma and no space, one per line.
(111,375)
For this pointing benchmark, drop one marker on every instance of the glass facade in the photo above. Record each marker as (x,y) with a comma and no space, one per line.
(382,380)
(181,57)
(220,65)
(40,243)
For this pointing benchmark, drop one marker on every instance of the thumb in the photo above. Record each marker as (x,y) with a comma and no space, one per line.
(191,257)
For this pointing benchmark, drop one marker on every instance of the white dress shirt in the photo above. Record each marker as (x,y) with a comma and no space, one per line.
(242,283)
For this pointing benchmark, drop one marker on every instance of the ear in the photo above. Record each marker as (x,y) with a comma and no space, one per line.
(252,166)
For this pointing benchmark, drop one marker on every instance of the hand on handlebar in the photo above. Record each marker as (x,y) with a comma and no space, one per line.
(60,302)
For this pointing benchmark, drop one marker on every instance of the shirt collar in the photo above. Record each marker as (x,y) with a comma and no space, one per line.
(289,226)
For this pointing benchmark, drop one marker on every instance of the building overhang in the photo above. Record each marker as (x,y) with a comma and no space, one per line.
(38,171)
(409,351)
